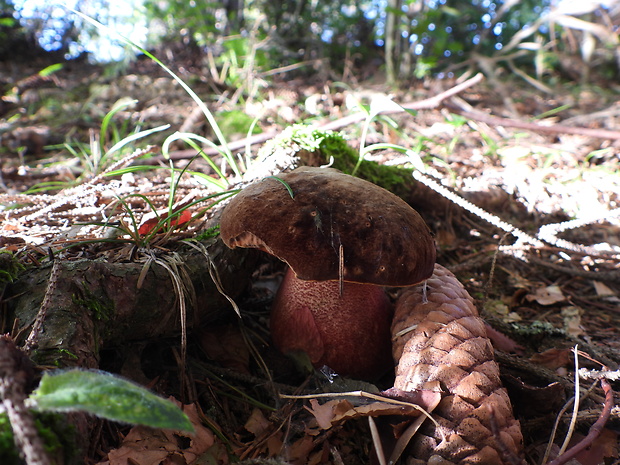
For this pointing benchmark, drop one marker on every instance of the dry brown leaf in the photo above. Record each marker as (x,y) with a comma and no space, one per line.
(337,411)
(602,290)
(553,358)
(502,342)
(135,456)
(547,295)
(299,451)
(502,311)
(275,444)
(534,401)
(257,424)
(324,413)
(572,320)
(148,446)
(603,447)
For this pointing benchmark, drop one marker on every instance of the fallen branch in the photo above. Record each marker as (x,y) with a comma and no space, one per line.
(426,104)
(534,127)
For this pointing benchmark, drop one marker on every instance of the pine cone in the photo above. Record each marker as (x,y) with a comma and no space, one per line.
(438,336)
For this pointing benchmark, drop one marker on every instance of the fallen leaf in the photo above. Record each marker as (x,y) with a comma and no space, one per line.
(499,308)
(604,447)
(299,451)
(533,401)
(572,320)
(502,342)
(257,424)
(553,358)
(337,411)
(151,220)
(275,444)
(148,446)
(324,413)
(547,295)
(602,290)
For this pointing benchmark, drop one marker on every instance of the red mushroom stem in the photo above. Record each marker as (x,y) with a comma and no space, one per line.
(350,333)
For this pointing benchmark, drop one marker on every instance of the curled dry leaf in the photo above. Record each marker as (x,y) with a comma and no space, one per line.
(336,411)
(547,295)
(438,336)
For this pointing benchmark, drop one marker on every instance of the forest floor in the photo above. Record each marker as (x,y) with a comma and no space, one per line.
(548,281)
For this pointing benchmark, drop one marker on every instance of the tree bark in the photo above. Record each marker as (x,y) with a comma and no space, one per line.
(97,304)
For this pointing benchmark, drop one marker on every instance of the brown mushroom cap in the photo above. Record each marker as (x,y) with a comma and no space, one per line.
(382,239)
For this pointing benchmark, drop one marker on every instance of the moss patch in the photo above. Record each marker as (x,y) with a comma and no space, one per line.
(10,268)
(316,147)
(100,308)
(57,434)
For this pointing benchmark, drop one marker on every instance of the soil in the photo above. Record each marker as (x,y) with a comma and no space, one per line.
(543,266)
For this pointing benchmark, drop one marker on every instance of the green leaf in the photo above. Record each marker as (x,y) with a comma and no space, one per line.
(107,396)
(51,69)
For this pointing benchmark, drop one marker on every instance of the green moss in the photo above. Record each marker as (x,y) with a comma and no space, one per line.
(208,234)
(317,147)
(100,308)
(536,329)
(57,434)
(10,268)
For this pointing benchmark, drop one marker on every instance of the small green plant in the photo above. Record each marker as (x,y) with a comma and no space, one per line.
(162,223)
(103,151)
(378,105)
(45,437)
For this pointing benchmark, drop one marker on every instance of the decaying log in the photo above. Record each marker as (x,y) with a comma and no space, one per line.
(438,336)
(97,303)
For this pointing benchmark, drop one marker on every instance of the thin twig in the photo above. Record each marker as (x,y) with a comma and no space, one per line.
(595,429)
(376,441)
(31,342)
(426,104)
(470,207)
(367,395)
(573,420)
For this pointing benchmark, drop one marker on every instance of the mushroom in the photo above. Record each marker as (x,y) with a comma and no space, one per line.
(344,239)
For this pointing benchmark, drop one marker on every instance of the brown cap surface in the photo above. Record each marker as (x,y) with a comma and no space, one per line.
(383,240)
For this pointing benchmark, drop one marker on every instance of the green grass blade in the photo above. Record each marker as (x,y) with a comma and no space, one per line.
(203,107)
(120,144)
(189,139)
(105,122)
